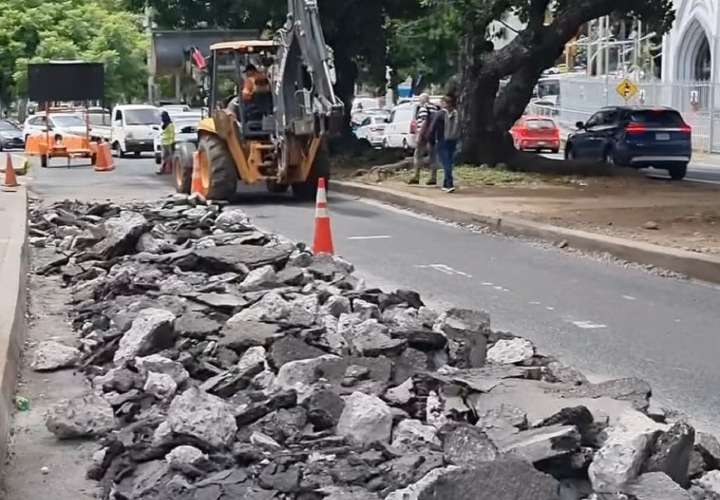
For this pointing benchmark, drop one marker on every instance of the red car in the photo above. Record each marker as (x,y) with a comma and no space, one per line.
(536,133)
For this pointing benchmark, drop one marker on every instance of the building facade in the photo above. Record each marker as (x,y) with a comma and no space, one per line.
(689,48)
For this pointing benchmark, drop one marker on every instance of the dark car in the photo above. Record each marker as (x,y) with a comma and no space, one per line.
(635,137)
(11,136)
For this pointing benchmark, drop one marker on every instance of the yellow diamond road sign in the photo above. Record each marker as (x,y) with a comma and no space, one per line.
(627,89)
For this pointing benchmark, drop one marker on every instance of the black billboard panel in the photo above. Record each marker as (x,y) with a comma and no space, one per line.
(66,81)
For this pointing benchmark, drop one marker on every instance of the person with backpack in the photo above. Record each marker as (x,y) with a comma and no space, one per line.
(444,135)
(424,152)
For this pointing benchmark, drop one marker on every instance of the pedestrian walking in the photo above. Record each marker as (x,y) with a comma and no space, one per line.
(168,143)
(424,152)
(445,134)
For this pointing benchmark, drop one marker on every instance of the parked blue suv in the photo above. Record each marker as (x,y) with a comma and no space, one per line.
(636,137)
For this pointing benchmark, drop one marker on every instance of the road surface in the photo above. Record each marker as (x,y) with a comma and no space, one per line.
(700,170)
(607,320)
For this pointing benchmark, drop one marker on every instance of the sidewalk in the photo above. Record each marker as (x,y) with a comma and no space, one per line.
(13,270)
(670,226)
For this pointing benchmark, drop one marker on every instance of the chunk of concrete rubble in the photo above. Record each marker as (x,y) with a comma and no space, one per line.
(543,443)
(413,491)
(185,456)
(635,390)
(84,416)
(233,220)
(264,441)
(151,331)
(560,373)
(365,309)
(511,352)
(351,493)
(465,445)
(656,486)
(370,338)
(324,408)
(195,325)
(290,348)
(300,376)
(412,435)
(365,419)
(467,333)
(671,453)
(501,422)
(160,385)
(336,305)
(237,258)
(51,355)
(160,364)
(401,394)
(239,335)
(620,460)
(203,416)
(121,235)
(709,448)
(261,278)
(709,483)
(271,308)
(503,479)
(222,301)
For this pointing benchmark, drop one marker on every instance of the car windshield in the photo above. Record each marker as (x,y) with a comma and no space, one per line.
(145,116)
(540,124)
(5,125)
(67,121)
(661,117)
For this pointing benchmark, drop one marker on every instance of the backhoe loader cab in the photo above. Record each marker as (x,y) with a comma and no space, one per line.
(273,106)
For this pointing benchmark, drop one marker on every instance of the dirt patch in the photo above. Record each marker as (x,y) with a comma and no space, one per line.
(682,215)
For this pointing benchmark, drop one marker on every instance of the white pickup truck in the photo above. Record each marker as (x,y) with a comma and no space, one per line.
(130,128)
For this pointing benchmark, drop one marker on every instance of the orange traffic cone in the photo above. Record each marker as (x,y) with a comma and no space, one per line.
(322,243)
(196,184)
(10,178)
(104,159)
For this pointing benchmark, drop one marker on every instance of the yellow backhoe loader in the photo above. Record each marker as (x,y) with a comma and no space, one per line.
(272,109)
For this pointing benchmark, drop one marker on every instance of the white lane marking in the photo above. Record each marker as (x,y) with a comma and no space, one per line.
(588,325)
(550,308)
(445,269)
(487,283)
(535,303)
(628,297)
(377,237)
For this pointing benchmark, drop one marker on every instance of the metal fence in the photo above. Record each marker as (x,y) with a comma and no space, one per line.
(581,97)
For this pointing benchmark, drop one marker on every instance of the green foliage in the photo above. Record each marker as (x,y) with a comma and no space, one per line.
(95,31)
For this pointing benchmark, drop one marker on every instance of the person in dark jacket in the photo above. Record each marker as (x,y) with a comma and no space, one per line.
(444,136)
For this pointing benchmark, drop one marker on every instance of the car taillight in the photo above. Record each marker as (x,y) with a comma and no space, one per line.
(686,129)
(635,128)
(413,127)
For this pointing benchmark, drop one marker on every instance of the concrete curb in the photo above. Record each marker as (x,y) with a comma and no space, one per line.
(694,265)
(14,262)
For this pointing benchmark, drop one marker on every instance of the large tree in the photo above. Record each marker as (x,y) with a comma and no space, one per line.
(95,31)
(488,110)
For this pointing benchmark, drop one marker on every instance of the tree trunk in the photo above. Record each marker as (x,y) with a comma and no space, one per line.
(347,74)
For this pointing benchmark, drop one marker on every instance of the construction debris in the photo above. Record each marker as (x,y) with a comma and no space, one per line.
(227,363)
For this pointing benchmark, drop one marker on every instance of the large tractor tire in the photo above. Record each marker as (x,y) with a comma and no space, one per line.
(183,166)
(321,169)
(218,175)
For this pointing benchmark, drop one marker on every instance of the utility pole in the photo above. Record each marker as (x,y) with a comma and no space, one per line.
(148,30)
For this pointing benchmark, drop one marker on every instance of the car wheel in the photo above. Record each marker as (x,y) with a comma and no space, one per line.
(405,145)
(385,144)
(678,172)
(609,157)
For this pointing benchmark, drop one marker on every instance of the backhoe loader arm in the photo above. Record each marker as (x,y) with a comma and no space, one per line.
(305,98)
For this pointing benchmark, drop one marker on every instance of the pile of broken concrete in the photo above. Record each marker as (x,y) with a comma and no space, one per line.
(227,363)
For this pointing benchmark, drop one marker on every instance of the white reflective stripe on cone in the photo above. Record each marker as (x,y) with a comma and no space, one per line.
(321,196)
(322,213)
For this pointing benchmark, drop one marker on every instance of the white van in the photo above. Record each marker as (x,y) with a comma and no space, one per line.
(133,129)
(400,130)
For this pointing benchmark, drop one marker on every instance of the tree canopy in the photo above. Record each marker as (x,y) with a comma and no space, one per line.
(93,31)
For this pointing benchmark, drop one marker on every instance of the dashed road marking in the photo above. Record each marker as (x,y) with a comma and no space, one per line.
(376,237)
(629,297)
(445,269)
(535,303)
(588,325)
(549,308)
